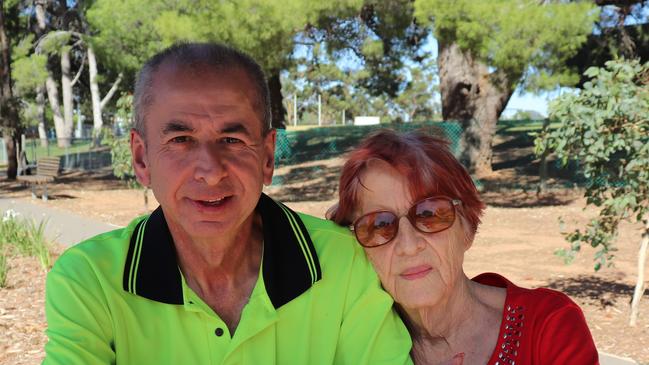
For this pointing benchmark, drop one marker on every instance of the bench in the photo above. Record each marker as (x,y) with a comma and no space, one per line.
(47,170)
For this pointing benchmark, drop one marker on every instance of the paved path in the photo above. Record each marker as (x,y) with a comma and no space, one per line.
(61,226)
(68,229)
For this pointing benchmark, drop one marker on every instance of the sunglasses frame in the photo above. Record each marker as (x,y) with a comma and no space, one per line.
(454,203)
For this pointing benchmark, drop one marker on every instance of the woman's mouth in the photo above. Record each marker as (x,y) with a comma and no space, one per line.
(416,272)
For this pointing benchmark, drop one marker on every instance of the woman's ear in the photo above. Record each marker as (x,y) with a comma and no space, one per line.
(139,158)
(467,233)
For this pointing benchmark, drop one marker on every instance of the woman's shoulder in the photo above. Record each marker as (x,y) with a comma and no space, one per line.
(540,326)
(542,299)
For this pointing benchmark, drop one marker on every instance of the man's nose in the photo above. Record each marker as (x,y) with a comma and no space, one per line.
(209,164)
(409,240)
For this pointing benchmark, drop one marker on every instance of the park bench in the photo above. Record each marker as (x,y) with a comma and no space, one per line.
(47,170)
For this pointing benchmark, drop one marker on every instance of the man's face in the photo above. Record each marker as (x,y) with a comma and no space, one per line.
(205,156)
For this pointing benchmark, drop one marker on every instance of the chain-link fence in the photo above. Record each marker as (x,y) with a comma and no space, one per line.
(326,142)
(78,154)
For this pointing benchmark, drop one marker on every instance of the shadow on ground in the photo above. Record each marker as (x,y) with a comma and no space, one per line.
(311,183)
(602,291)
(505,198)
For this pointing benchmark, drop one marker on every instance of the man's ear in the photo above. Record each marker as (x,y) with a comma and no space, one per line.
(139,158)
(269,156)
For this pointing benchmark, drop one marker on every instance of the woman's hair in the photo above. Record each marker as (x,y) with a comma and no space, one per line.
(426,163)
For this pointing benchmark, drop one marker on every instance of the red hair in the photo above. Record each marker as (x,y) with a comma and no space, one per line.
(424,160)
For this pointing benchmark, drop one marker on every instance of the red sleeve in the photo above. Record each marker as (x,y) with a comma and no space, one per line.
(565,339)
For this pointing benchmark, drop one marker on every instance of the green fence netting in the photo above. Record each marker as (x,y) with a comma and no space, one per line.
(294,147)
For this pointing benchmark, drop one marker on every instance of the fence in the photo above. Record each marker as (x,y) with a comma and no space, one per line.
(326,142)
(80,155)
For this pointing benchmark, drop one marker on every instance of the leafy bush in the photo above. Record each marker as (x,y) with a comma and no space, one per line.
(606,129)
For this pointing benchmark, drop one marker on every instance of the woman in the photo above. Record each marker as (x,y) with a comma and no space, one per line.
(415,210)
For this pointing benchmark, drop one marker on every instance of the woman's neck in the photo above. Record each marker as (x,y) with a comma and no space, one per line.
(467,316)
(442,320)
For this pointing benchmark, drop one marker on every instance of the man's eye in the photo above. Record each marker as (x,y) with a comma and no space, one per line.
(179,139)
(231,140)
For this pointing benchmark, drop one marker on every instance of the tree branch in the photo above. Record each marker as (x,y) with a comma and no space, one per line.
(619,3)
(83,63)
(112,91)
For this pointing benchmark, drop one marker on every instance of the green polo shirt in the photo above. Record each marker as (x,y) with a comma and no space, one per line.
(120,298)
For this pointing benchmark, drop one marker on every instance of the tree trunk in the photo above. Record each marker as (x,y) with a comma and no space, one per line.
(639,286)
(40,115)
(8,112)
(474,97)
(53,97)
(68,108)
(39,6)
(276,100)
(97,102)
(97,121)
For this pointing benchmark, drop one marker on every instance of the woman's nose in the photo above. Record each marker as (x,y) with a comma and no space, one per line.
(409,241)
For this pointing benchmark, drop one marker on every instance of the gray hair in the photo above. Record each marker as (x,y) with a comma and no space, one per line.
(216,57)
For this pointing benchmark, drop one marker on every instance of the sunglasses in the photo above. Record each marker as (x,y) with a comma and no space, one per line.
(430,215)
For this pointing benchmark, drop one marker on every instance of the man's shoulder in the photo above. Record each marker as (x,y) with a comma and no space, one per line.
(327,234)
(101,251)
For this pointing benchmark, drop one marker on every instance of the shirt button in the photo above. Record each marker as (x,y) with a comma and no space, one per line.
(218,331)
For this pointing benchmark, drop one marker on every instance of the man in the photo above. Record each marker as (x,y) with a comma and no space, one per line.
(220,273)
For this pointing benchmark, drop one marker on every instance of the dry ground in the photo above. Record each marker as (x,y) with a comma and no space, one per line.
(519,234)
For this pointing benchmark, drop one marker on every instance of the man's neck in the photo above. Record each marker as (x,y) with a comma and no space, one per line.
(223,273)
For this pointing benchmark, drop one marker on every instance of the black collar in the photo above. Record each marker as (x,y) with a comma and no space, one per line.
(290,263)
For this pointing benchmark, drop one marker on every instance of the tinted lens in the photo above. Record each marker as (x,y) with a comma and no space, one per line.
(433,215)
(375,229)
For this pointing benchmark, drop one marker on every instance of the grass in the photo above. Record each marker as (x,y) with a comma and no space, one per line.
(22,237)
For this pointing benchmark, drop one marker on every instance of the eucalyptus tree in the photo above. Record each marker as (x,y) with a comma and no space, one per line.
(488,48)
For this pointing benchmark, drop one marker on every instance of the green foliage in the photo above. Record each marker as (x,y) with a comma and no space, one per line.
(606,129)
(519,37)
(29,72)
(120,150)
(22,237)
(128,32)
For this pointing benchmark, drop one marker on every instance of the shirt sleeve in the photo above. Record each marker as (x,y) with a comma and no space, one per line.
(371,332)
(566,339)
(79,328)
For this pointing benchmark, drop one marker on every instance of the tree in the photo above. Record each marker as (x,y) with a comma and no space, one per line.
(606,129)
(8,111)
(487,48)
(621,31)
(128,34)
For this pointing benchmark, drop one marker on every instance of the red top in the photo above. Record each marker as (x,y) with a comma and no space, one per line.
(540,326)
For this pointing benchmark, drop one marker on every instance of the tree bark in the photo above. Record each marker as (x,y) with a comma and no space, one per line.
(53,97)
(475,98)
(40,91)
(97,121)
(8,112)
(639,286)
(278,111)
(68,108)
(40,115)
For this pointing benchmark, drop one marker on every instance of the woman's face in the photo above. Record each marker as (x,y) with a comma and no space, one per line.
(417,269)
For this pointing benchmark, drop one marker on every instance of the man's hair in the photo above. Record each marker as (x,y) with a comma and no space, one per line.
(192,56)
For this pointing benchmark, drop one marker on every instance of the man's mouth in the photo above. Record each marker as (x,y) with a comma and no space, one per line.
(212,202)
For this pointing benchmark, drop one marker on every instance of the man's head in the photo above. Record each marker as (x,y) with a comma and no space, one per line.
(202,140)
(213,56)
